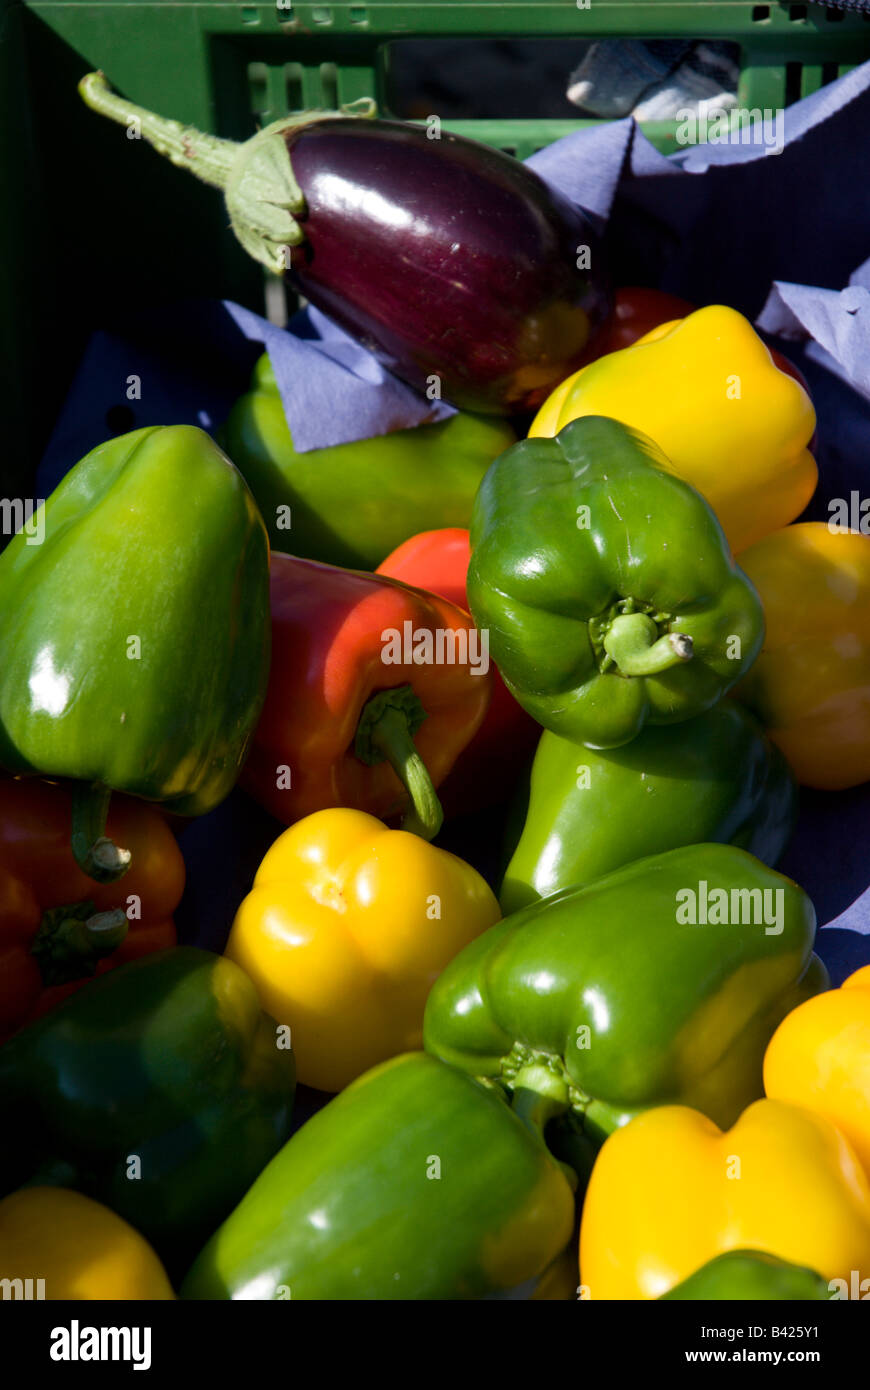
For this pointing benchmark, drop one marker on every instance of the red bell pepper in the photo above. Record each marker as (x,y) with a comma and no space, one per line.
(637,312)
(490,766)
(375,689)
(58,927)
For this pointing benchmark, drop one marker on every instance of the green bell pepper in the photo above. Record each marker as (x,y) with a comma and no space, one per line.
(714,778)
(631,992)
(160,1089)
(352,504)
(416,1182)
(752,1275)
(606,585)
(134,639)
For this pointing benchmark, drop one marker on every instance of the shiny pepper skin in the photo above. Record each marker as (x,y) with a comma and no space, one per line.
(819,1057)
(707,390)
(670,1191)
(809,685)
(77,1247)
(344,932)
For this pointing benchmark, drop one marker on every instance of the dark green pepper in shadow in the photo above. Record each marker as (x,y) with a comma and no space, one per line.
(659,984)
(160,1089)
(134,638)
(714,778)
(352,504)
(753,1275)
(416,1182)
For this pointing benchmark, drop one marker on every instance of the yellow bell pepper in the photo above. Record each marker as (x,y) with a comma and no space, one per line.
(344,932)
(819,1057)
(670,1191)
(78,1248)
(809,685)
(706,389)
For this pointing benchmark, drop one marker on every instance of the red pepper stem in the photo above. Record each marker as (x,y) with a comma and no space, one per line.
(633,643)
(386,732)
(391,736)
(96,855)
(71,940)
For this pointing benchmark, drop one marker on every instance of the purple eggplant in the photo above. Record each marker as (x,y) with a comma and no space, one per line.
(454,264)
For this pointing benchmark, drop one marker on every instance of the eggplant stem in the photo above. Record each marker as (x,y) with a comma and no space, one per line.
(256,176)
(206,156)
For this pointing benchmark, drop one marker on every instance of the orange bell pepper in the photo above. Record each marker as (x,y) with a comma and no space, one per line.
(57,926)
(670,1191)
(488,769)
(819,1057)
(810,685)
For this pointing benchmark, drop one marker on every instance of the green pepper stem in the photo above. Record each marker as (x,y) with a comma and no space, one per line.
(71,940)
(96,855)
(539,1096)
(386,732)
(633,642)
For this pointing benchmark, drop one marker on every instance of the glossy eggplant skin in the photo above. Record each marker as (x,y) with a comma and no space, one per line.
(446,259)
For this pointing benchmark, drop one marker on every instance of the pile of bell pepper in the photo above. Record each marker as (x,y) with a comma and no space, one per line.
(603,1063)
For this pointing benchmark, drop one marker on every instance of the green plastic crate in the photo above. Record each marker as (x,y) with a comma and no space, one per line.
(95,224)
